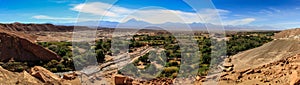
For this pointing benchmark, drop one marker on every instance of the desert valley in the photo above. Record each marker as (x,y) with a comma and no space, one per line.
(42,53)
(149,42)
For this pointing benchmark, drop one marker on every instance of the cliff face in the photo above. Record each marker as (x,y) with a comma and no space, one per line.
(18,47)
(39,27)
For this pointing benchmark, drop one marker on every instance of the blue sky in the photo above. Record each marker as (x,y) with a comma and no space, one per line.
(281,14)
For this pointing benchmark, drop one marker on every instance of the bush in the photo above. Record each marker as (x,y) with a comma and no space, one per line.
(171,69)
(53,69)
(172,64)
(168,71)
(100,56)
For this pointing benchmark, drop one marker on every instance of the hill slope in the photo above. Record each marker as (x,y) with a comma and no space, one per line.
(269,52)
(290,33)
(21,47)
(282,72)
(274,63)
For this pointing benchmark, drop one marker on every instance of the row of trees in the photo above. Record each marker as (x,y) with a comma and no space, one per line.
(235,44)
(238,43)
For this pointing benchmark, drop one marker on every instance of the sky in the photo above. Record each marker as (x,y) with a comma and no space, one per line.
(281,14)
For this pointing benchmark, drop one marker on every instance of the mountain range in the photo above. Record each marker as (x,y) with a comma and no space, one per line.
(133,23)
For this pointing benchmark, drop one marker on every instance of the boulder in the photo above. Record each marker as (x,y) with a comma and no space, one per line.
(228,69)
(226,65)
(122,80)
(44,74)
(26,77)
(118,79)
(227,60)
(198,78)
(70,76)
(13,78)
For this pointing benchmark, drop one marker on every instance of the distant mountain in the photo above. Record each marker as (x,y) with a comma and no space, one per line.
(133,23)
(38,27)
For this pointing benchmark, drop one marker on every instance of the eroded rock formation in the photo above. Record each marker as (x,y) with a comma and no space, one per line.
(290,33)
(38,76)
(19,48)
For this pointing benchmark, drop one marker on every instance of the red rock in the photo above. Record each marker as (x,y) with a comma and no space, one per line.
(118,79)
(18,47)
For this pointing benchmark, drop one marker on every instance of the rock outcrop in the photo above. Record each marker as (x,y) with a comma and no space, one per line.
(291,33)
(43,74)
(38,76)
(282,72)
(227,65)
(11,78)
(18,47)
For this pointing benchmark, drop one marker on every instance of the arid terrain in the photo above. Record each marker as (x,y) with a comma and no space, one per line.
(274,62)
(149,42)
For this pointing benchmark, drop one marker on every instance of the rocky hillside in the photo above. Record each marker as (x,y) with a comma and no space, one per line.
(291,33)
(39,27)
(269,52)
(20,47)
(282,72)
(274,63)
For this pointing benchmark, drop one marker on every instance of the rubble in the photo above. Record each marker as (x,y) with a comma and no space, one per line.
(282,72)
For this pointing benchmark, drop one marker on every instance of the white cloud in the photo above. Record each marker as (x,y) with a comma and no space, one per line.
(154,16)
(45,17)
(270,11)
(266,12)
(160,16)
(98,8)
(51,18)
(274,9)
(93,11)
(240,21)
(59,1)
(63,1)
